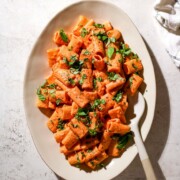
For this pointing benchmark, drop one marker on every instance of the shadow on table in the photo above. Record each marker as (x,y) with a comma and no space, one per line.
(159,131)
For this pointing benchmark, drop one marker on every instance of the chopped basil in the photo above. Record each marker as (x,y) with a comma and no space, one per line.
(113,76)
(97,102)
(86,52)
(104,38)
(78,160)
(98,25)
(38,91)
(61,124)
(101,165)
(94,83)
(65,60)
(121,60)
(40,96)
(73,58)
(83,115)
(99,124)
(81,81)
(75,65)
(101,35)
(118,96)
(99,79)
(44,84)
(71,81)
(74,71)
(82,112)
(92,132)
(123,140)
(84,32)
(110,52)
(63,35)
(51,86)
(130,81)
(125,51)
(52,92)
(110,40)
(134,56)
(58,101)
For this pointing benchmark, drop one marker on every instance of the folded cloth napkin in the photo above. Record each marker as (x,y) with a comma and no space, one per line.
(167,13)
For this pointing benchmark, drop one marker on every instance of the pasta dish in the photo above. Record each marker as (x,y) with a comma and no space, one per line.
(93,73)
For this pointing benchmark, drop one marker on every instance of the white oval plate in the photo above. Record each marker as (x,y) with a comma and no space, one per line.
(37,70)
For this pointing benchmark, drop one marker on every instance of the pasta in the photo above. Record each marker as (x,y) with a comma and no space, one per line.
(93,73)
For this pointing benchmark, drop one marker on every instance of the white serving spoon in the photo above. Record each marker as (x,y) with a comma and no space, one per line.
(137,107)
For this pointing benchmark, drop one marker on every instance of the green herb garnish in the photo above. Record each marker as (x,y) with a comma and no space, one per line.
(51,86)
(84,32)
(40,96)
(61,124)
(101,165)
(118,96)
(86,52)
(81,81)
(123,140)
(92,132)
(65,60)
(71,81)
(74,59)
(113,76)
(98,25)
(52,92)
(134,56)
(97,102)
(83,115)
(44,84)
(82,112)
(58,101)
(101,35)
(110,52)
(130,81)
(99,79)
(75,65)
(110,40)
(95,81)
(124,51)
(63,35)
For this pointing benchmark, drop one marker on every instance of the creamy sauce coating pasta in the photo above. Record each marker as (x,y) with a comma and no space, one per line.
(93,73)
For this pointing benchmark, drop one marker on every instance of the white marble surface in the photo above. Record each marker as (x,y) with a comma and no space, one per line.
(20,24)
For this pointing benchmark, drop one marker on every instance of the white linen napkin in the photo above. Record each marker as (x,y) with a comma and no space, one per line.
(167,13)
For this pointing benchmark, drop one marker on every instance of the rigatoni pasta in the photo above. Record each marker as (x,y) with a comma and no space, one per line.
(93,73)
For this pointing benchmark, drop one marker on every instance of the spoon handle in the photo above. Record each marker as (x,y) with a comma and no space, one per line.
(150,175)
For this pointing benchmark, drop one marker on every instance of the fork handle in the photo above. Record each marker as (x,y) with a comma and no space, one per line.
(150,175)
